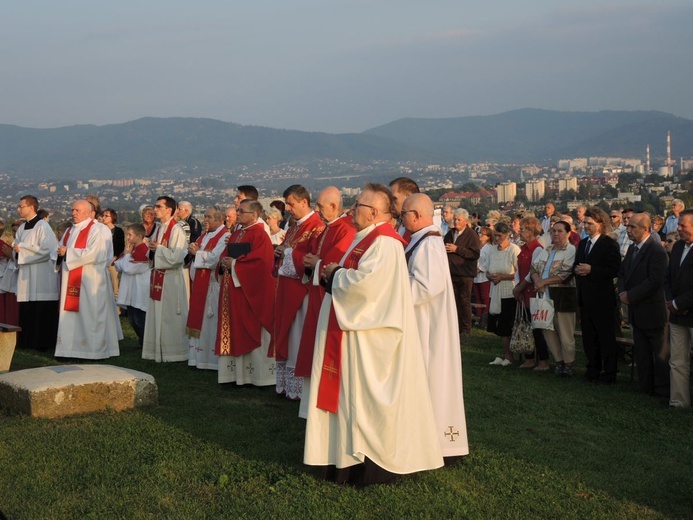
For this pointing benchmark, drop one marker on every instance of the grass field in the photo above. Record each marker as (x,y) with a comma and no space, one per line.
(541,447)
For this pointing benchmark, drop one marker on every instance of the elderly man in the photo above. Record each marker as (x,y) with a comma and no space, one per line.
(167,311)
(463,247)
(550,210)
(436,317)
(672,222)
(580,221)
(201,327)
(329,247)
(641,287)
(231,218)
(678,289)
(446,219)
(185,213)
(370,409)
(87,328)
(245,303)
(37,281)
(291,303)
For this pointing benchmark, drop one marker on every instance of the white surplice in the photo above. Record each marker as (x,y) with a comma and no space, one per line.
(436,318)
(164,330)
(385,410)
(91,333)
(134,282)
(201,353)
(37,279)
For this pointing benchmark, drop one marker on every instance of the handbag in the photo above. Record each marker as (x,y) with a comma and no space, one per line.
(541,310)
(522,339)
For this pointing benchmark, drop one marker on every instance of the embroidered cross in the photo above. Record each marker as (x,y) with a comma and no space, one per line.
(331,369)
(231,365)
(250,368)
(271,369)
(451,434)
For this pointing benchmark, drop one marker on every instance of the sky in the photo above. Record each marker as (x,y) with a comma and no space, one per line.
(338,65)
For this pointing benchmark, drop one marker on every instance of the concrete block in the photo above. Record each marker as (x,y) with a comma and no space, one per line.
(64,390)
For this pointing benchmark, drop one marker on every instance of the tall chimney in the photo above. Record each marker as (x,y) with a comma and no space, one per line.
(647,161)
(669,164)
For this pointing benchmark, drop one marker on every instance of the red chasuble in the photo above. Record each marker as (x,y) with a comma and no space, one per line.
(291,291)
(199,288)
(245,310)
(330,247)
(156,283)
(328,391)
(74,279)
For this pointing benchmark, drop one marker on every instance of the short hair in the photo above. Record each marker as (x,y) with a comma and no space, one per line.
(686,212)
(678,201)
(94,201)
(532,224)
(147,209)
(298,192)
(566,226)
(658,219)
(170,203)
(137,229)
(274,213)
(186,205)
(249,191)
(501,228)
(254,206)
(42,213)
(218,212)
(383,192)
(405,185)
(627,210)
(461,212)
(279,204)
(31,201)
(600,217)
(674,235)
(114,214)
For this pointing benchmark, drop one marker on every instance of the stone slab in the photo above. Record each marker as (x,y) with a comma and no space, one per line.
(64,390)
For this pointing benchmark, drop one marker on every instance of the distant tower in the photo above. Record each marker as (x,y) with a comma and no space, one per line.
(670,165)
(647,161)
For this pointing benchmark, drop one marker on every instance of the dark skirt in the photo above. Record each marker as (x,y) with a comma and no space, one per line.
(502,324)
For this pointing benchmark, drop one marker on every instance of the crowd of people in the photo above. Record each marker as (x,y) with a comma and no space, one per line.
(602,271)
(357,312)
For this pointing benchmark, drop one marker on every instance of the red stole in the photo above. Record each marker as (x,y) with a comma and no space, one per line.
(156,282)
(328,391)
(139,254)
(291,291)
(198,292)
(74,278)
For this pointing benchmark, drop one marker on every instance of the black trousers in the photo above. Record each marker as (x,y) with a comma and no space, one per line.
(39,323)
(599,342)
(462,287)
(651,361)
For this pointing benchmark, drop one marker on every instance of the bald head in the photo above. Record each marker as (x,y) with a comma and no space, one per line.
(417,212)
(81,211)
(329,204)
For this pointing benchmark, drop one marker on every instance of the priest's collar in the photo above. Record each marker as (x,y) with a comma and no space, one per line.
(82,224)
(29,224)
(299,222)
(258,221)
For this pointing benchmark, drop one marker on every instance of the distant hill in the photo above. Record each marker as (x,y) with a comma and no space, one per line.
(150,144)
(533,135)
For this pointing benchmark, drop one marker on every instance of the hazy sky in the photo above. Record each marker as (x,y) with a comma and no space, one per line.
(338,65)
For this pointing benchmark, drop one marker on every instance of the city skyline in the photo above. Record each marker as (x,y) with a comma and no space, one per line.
(340,66)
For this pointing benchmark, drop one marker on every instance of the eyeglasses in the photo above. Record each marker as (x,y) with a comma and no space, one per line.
(614,216)
(670,241)
(243,212)
(22,207)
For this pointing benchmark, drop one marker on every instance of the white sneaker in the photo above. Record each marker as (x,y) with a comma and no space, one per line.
(505,363)
(497,361)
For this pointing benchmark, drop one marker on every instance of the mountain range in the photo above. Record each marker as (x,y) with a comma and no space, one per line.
(147,145)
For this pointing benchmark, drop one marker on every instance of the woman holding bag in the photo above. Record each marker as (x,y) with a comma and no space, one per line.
(530,229)
(501,271)
(552,274)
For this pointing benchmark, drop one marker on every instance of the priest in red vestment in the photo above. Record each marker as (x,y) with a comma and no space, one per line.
(245,302)
(291,302)
(329,247)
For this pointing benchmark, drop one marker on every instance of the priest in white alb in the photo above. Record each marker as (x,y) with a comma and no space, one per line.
(436,317)
(167,311)
(204,293)
(370,416)
(87,324)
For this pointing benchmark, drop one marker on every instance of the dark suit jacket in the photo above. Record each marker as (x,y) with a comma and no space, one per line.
(463,262)
(596,290)
(679,285)
(642,278)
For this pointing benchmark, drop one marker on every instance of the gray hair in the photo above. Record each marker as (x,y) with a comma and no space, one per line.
(461,212)
(274,213)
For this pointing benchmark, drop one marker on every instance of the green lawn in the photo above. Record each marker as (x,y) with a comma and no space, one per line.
(541,447)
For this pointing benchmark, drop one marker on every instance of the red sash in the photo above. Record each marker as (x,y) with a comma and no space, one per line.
(198,293)
(74,278)
(156,281)
(328,391)
(139,254)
